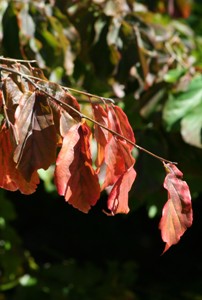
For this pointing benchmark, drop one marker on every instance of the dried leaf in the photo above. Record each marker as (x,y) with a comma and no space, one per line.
(12,96)
(36,134)
(177,212)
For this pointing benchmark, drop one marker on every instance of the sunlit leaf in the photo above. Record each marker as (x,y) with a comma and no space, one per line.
(101,135)
(183,102)
(74,176)
(118,157)
(185,107)
(177,212)
(191,127)
(118,197)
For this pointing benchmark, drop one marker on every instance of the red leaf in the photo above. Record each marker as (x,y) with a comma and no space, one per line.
(177,212)
(118,157)
(118,197)
(74,176)
(125,127)
(10,177)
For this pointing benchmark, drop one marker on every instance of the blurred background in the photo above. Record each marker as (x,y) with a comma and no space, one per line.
(147,56)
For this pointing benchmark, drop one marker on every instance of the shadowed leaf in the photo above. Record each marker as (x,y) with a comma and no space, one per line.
(10,178)
(36,133)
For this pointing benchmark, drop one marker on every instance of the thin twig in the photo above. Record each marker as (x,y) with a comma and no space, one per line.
(17,60)
(83,116)
(89,95)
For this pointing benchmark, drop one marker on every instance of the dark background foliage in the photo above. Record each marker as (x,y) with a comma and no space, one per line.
(145,58)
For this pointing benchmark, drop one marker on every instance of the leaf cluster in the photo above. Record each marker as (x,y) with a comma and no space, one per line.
(147,60)
(42,124)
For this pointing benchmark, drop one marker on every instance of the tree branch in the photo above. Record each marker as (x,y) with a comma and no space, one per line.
(30,79)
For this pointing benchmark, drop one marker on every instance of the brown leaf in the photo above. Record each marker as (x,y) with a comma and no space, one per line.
(177,212)
(36,134)
(63,96)
(74,176)
(12,97)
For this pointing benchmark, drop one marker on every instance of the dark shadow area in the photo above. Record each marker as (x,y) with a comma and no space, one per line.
(55,233)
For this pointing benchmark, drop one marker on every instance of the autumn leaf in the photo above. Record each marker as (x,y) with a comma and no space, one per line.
(36,134)
(125,127)
(118,157)
(75,177)
(118,197)
(13,96)
(177,212)
(10,178)
(115,154)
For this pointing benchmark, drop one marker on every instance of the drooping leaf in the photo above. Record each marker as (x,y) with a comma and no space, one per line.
(12,97)
(36,134)
(74,175)
(10,178)
(177,212)
(118,157)
(125,127)
(118,197)
(13,93)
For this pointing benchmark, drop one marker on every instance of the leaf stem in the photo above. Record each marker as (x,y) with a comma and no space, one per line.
(30,78)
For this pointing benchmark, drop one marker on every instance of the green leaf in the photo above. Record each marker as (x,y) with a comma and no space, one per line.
(186,107)
(173,75)
(191,127)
